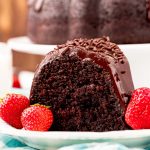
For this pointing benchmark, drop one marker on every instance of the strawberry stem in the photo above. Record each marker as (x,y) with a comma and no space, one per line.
(1,100)
(37,104)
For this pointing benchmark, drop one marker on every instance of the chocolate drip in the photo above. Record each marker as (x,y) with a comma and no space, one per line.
(37,4)
(108,55)
(148,10)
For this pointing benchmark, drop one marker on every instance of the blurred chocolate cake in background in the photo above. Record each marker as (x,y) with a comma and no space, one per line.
(56,21)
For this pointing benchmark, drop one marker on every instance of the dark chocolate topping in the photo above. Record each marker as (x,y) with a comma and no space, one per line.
(148,9)
(103,53)
(107,54)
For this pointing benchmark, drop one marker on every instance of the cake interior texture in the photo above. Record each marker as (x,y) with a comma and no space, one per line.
(81,93)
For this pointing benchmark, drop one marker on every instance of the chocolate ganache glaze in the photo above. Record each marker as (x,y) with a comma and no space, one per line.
(87,83)
(109,56)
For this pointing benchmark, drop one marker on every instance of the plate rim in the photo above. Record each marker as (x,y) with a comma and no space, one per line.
(73,135)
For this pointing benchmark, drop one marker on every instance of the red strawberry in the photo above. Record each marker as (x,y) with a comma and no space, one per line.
(16,82)
(1,100)
(138,111)
(37,118)
(12,107)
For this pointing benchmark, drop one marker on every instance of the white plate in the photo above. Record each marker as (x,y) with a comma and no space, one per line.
(23,44)
(54,140)
(139,59)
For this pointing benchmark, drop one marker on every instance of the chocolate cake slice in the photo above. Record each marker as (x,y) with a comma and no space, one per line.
(87,84)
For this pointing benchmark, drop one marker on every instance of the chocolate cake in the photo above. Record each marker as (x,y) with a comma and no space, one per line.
(86,83)
(56,21)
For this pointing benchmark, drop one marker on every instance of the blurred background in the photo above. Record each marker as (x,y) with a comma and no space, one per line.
(29,29)
(13,23)
(13,18)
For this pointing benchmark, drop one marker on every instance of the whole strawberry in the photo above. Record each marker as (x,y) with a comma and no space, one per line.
(11,108)
(37,118)
(138,111)
(16,82)
(1,100)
